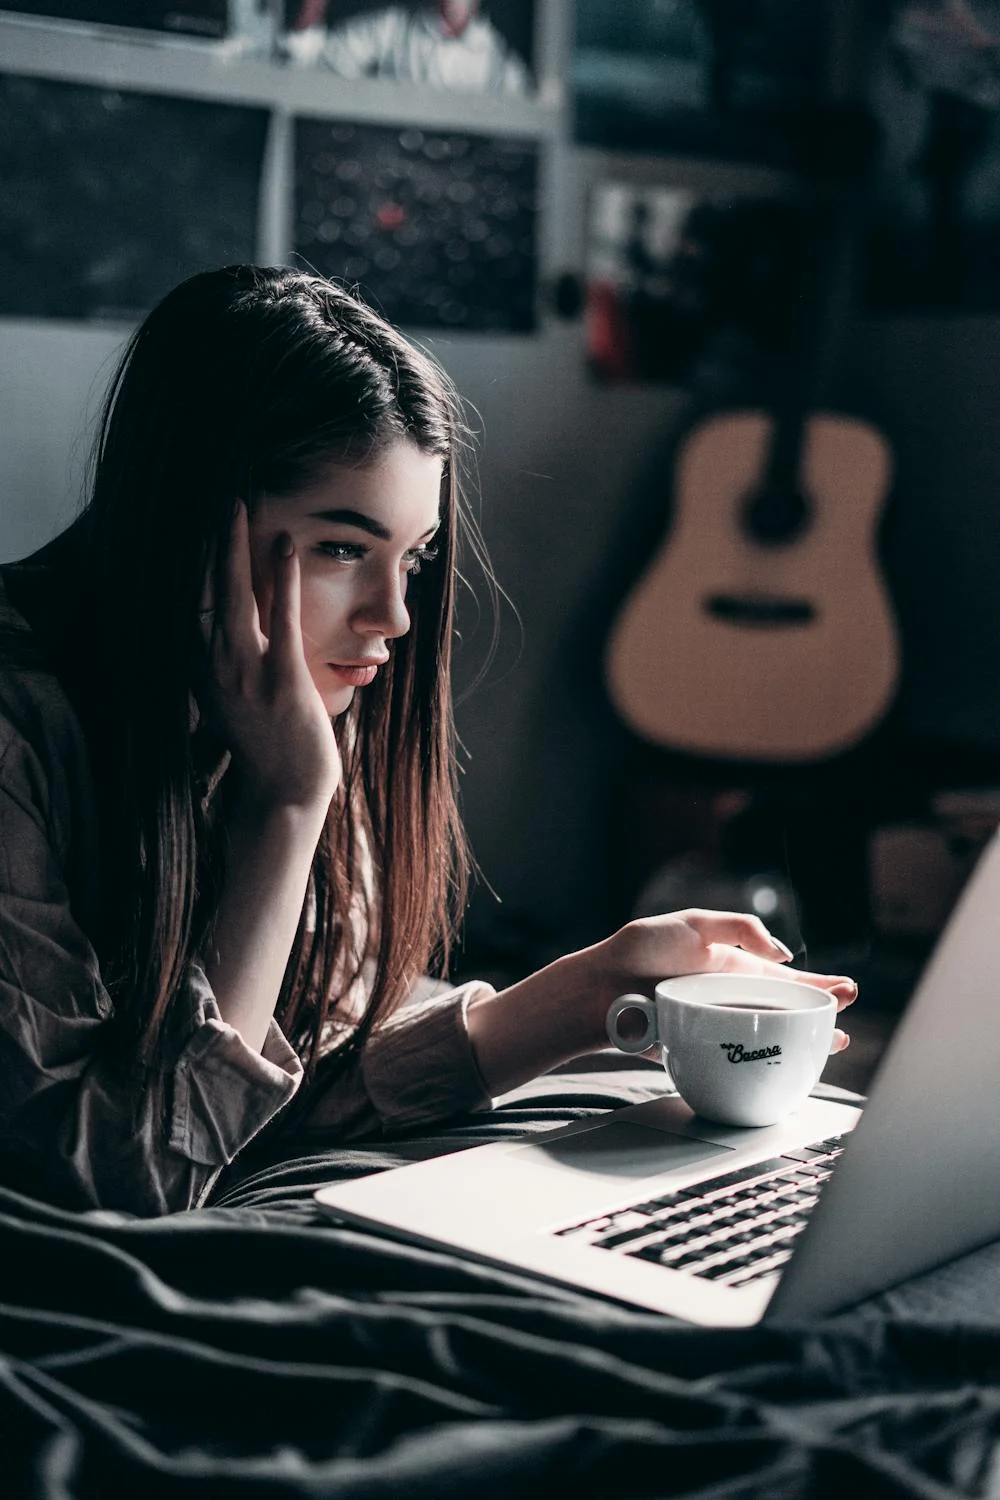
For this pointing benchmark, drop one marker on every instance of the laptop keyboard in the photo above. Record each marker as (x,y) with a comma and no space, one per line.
(732,1229)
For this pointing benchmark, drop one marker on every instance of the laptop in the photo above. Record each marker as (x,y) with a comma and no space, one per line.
(652,1206)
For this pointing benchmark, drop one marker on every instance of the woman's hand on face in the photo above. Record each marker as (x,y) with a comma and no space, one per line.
(649,949)
(272,717)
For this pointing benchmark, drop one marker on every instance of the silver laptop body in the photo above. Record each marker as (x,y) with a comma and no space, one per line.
(911,1183)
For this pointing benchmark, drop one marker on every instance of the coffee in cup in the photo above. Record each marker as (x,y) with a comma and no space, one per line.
(741,1049)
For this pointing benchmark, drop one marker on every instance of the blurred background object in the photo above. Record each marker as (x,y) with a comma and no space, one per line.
(935,221)
(450,44)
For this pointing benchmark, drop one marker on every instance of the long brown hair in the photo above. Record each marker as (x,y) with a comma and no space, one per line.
(245,382)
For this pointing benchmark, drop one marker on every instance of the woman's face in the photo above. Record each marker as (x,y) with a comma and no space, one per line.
(359,533)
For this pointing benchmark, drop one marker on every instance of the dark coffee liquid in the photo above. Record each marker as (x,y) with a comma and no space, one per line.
(749,1005)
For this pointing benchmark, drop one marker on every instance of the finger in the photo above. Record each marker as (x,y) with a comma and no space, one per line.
(285,625)
(239,619)
(839,1042)
(725,959)
(206,604)
(844,989)
(739,930)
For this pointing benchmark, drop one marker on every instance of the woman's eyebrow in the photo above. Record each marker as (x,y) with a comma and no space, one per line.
(354,518)
(363,522)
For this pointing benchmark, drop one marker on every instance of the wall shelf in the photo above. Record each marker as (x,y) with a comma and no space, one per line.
(214,70)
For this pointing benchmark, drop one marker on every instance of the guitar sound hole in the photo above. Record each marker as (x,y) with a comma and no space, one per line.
(760,613)
(775,516)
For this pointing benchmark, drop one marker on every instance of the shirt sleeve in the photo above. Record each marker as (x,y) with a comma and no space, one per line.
(74,1126)
(417,1068)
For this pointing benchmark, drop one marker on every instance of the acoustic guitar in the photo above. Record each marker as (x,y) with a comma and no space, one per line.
(762,629)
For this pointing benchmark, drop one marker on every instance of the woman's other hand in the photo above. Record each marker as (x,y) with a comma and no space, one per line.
(263,698)
(559,1012)
(696,941)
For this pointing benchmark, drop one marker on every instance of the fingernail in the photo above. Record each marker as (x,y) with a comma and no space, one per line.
(779,947)
(283,546)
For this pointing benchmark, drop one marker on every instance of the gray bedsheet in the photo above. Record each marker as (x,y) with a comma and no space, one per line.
(250,1348)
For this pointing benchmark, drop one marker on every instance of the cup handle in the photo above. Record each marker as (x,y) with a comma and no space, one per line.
(632,1002)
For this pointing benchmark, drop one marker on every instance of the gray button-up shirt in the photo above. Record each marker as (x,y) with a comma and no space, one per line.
(71,1127)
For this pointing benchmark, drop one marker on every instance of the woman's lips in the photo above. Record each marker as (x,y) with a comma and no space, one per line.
(357,676)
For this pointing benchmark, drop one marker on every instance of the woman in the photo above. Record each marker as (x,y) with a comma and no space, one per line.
(229,845)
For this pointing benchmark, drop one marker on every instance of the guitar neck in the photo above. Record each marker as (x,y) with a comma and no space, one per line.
(843,144)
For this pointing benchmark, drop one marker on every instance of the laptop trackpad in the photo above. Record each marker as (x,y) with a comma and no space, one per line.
(621,1149)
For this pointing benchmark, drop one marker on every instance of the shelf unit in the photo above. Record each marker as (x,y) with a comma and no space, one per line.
(113,58)
(216,70)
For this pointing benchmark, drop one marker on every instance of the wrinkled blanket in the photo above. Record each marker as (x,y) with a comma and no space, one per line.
(252,1348)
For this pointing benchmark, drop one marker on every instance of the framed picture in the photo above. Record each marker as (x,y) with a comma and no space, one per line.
(934,242)
(112,196)
(207,18)
(436,228)
(738,79)
(477,46)
(673,278)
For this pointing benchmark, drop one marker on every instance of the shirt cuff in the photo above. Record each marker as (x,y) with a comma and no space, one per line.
(224,1092)
(420,1067)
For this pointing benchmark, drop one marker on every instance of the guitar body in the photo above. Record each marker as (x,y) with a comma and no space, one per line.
(737,649)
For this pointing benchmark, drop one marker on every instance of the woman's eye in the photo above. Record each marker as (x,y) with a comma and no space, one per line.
(349,552)
(342,551)
(419,555)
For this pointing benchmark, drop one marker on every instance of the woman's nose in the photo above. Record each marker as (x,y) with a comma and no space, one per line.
(383,610)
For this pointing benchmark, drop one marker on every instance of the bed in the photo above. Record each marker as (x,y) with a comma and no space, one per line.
(252,1348)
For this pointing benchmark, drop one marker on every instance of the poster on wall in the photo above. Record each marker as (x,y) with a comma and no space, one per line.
(699,77)
(436,228)
(478,46)
(206,18)
(673,277)
(113,196)
(934,209)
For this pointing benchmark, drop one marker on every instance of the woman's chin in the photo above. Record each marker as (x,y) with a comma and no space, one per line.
(337,700)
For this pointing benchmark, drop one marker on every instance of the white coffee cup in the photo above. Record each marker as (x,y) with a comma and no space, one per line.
(740,1049)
